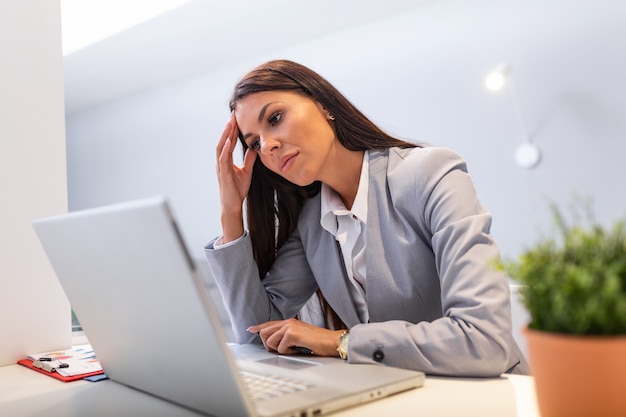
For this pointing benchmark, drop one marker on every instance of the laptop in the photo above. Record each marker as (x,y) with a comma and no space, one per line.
(153,325)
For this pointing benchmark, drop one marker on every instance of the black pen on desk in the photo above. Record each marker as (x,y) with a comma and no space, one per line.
(302,350)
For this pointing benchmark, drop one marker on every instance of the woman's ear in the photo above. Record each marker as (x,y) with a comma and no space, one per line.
(328,115)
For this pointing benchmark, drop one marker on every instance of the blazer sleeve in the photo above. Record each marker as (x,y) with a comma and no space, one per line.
(250,300)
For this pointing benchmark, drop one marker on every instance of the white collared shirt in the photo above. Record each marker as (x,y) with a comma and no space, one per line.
(349,228)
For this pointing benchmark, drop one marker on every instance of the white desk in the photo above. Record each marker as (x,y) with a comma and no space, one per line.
(25,393)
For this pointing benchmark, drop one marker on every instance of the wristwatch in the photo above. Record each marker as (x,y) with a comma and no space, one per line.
(342,345)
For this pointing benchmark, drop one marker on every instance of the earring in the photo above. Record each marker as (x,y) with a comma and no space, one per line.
(330,116)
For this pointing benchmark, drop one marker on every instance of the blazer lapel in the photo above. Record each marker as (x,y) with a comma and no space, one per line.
(377,269)
(329,268)
(336,290)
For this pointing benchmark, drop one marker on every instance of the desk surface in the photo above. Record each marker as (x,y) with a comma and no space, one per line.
(27,393)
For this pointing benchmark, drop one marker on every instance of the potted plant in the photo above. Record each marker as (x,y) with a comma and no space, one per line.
(574,288)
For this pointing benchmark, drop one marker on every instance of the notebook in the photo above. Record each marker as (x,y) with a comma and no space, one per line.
(154,327)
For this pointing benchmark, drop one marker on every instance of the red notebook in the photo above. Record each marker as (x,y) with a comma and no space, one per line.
(29,364)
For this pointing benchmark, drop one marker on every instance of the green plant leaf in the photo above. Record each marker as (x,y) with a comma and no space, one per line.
(575,283)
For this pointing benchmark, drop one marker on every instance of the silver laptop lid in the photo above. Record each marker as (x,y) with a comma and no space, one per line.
(109,261)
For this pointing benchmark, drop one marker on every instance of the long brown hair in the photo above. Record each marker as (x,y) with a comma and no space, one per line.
(273,204)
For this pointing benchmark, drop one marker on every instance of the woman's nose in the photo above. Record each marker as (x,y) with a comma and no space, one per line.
(268,145)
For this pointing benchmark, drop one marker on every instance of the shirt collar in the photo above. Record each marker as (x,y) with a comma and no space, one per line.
(332,206)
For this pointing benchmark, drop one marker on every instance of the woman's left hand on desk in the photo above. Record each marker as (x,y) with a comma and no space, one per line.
(280,335)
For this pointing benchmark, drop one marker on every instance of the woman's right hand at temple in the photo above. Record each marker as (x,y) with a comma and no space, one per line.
(234,181)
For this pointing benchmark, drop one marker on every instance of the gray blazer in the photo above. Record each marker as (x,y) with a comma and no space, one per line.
(435,301)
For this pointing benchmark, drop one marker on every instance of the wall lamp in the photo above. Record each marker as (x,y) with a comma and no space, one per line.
(527,154)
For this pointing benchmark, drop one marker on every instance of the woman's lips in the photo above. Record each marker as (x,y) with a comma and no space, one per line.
(287,161)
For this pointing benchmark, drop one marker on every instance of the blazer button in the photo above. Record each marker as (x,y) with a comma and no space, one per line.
(378,355)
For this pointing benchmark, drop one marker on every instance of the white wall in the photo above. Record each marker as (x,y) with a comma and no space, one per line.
(419,75)
(34,312)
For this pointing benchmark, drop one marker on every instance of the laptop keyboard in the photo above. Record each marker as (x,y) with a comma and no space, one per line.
(263,387)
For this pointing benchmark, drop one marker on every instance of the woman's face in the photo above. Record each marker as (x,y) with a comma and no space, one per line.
(289,131)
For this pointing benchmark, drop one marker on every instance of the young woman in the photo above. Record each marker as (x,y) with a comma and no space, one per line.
(389,234)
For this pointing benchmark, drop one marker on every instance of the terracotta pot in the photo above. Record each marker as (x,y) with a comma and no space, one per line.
(578,375)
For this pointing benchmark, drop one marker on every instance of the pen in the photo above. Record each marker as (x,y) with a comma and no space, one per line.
(302,350)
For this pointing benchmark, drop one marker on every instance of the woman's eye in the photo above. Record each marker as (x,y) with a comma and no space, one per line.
(275,118)
(255,145)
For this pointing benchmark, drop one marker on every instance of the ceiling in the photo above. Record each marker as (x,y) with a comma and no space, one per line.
(204,35)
